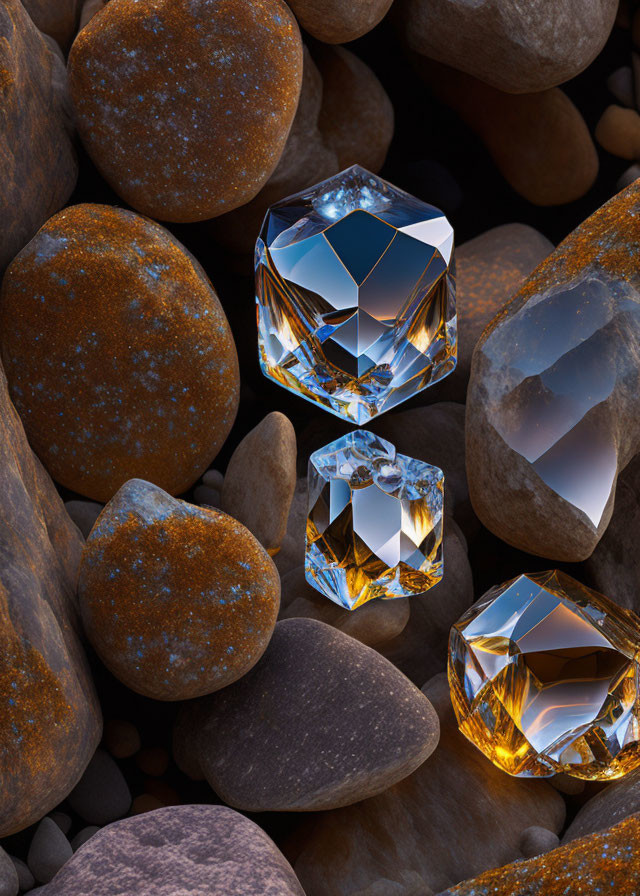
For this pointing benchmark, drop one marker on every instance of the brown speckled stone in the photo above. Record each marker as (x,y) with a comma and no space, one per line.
(339,21)
(179,849)
(119,356)
(539,141)
(552,401)
(178,601)
(50,721)
(37,159)
(321,721)
(57,18)
(185,105)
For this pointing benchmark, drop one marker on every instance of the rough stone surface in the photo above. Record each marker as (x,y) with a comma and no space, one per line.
(413,832)
(48,851)
(102,793)
(618,131)
(420,650)
(180,849)
(339,21)
(489,269)
(128,367)
(50,722)
(195,596)
(519,48)
(356,117)
(374,623)
(261,478)
(602,863)
(349,724)
(212,132)
(575,326)
(608,807)
(38,163)
(539,141)
(58,19)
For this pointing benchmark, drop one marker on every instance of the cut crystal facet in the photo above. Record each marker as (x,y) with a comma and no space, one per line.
(355,292)
(375,521)
(544,678)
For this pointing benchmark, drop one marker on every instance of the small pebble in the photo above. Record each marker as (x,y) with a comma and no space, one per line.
(536,840)
(627,177)
(9,880)
(48,852)
(146,802)
(153,761)
(26,880)
(82,836)
(84,514)
(620,84)
(121,738)
(162,791)
(62,820)
(102,794)
(203,494)
(618,131)
(566,784)
(213,479)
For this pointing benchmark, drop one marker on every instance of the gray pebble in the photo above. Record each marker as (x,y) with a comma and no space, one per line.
(203,494)
(8,875)
(84,514)
(26,880)
(213,479)
(535,841)
(82,836)
(102,794)
(48,852)
(627,177)
(62,820)
(620,83)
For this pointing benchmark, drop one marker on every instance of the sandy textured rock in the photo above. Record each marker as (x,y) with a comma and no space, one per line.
(339,21)
(39,167)
(180,849)
(374,623)
(601,863)
(203,138)
(356,117)
(608,807)
(50,722)
(261,478)
(551,414)
(411,835)
(420,650)
(57,18)
(539,141)
(121,361)
(349,724)
(516,47)
(177,601)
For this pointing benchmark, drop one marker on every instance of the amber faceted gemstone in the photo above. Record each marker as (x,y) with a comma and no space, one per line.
(544,679)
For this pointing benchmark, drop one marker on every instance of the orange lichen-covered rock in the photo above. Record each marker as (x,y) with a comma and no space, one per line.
(606,862)
(185,105)
(119,356)
(178,601)
(50,720)
(37,159)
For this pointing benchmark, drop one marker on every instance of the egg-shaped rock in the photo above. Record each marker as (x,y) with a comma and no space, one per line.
(119,356)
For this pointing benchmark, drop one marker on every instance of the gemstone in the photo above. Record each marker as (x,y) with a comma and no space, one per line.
(544,679)
(355,292)
(374,527)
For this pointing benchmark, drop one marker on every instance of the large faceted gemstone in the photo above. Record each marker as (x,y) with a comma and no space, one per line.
(355,290)
(544,679)
(375,521)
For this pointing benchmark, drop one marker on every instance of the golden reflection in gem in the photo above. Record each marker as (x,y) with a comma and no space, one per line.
(544,678)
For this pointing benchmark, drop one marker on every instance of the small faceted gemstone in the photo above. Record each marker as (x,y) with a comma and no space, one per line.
(355,291)
(374,527)
(544,679)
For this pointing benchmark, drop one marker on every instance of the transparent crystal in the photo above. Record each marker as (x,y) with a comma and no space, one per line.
(375,521)
(544,678)
(355,291)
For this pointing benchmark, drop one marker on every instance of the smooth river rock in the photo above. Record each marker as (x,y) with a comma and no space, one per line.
(37,159)
(339,21)
(118,353)
(185,105)
(58,19)
(601,863)
(178,601)
(321,721)
(516,47)
(50,722)
(551,405)
(454,817)
(613,804)
(260,480)
(179,849)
